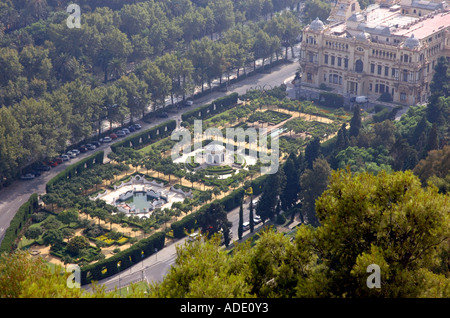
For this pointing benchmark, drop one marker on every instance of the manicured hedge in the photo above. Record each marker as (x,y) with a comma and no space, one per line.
(331,100)
(229,203)
(147,136)
(127,258)
(96,158)
(206,111)
(17,223)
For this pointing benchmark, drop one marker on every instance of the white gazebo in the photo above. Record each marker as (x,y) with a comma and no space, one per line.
(215,154)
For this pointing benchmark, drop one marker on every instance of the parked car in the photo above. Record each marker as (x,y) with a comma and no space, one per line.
(96,143)
(120,133)
(126,130)
(188,103)
(52,163)
(90,147)
(131,128)
(83,149)
(36,173)
(256,219)
(43,168)
(70,154)
(106,139)
(137,126)
(65,157)
(246,226)
(27,176)
(113,136)
(59,160)
(361,99)
(162,115)
(193,236)
(75,151)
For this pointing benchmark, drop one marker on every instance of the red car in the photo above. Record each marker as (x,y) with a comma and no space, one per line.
(52,163)
(83,149)
(113,136)
(58,160)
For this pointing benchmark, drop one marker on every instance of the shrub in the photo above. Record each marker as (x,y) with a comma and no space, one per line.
(331,100)
(126,258)
(281,219)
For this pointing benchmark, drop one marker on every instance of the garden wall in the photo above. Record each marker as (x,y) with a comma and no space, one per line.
(126,258)
(96,158)
(147,136)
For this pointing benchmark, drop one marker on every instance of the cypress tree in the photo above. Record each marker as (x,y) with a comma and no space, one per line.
(241,222)
(252,223)
(355,122)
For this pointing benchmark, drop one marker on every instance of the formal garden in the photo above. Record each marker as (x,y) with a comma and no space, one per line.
(74,226)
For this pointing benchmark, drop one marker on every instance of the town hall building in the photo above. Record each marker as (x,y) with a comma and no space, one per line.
(390,47)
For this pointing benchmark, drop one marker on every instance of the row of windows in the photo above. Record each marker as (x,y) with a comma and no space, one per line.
(333,60)
(433,50)
(336,45)
(406,76)
(384,54)
(333,78)
(379,70)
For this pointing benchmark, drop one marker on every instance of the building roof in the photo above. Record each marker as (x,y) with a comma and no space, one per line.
(213,147)
(412,42)
(424,28)
(317,25)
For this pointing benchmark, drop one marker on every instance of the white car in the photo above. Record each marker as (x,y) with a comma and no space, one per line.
(71,154)
(256,219)
(75,151)
(246,226)
(193,236)
(120,133)
(106,139)
(65,157)
(27,176)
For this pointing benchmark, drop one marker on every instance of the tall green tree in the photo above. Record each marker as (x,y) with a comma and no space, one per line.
(313,182)
(355,122)
(241,221)
(365,220)
(289,195)
(10,65)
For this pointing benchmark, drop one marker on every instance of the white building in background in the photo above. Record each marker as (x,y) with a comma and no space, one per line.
(391,46)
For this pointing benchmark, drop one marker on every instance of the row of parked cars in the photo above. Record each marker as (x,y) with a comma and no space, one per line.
(121,133)
(46,166)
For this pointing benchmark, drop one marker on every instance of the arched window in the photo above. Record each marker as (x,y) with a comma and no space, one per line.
(359,66)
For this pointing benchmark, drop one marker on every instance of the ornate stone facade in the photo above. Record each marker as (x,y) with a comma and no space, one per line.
(391,46)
